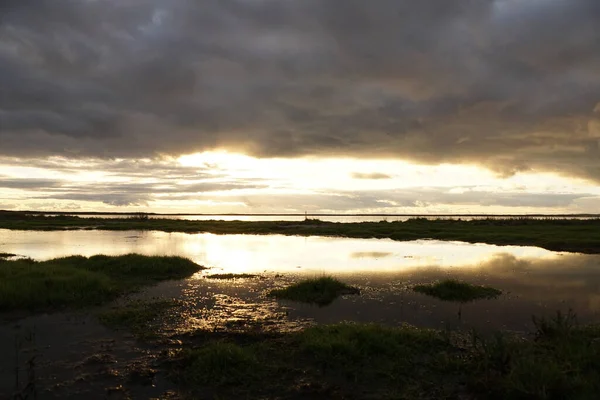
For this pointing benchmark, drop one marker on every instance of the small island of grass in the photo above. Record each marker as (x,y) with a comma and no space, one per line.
(453,290)
(79,281)
(319,291)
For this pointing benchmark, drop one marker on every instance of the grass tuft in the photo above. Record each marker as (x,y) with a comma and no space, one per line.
(320,291)
(559,326)
(80,281)
(453,290)
(220,363)
(136,315)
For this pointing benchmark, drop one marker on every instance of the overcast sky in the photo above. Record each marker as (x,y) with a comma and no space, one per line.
(99,99)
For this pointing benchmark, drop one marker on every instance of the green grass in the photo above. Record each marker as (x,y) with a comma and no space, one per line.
(231,276)
(220,363)
(320,291)
(80,281)
(552,234)
(375,362)
(136,316)
(453,290)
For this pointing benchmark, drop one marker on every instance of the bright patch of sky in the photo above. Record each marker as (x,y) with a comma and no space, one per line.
(220,181)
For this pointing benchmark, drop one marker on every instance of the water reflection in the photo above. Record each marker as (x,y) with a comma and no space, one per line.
(534,280)
(259,253)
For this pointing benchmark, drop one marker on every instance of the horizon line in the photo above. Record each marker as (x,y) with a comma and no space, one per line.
(303,214)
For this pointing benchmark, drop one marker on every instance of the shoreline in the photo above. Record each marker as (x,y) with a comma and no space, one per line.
(569,235)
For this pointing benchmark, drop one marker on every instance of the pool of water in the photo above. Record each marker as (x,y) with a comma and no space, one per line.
(534,281)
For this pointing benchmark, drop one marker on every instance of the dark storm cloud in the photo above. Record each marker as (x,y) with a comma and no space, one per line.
(509,84)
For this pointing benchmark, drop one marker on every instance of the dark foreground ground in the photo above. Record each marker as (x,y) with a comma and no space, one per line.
(125,354)
(571,235)
(125,344)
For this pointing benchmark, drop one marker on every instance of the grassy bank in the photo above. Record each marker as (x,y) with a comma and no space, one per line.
(560,235)
(80,281)
(348,361)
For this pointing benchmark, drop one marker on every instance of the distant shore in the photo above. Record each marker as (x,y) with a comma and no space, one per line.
(572,235)
(409,215)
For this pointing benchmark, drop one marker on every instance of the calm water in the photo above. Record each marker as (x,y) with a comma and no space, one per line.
(535,281)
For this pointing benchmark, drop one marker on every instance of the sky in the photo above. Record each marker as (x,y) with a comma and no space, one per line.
(342,106)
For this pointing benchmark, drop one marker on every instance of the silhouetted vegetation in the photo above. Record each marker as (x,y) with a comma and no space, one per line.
(7,255)
(140,216)
(453,290)
(320,291)
(553,234)
(80,281)
(375,362)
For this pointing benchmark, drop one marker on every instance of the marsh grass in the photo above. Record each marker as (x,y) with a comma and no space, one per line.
(371,361)
(561,361)
(80,281)
(138,217)
(221,363)
(231,276)
(453,290)
(136,316)
(320,291)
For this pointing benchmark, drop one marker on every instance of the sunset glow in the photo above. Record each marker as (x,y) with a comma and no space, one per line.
(390,107)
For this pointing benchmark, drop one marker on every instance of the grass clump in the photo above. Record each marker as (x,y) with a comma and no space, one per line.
(231,276)
(562,361)
(370,353)
(81,281)
(320,291)
(136,316)
(220,363)
(453,290)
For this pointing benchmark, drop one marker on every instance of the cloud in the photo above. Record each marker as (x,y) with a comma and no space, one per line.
(511,85)
(122,182)
(372,175)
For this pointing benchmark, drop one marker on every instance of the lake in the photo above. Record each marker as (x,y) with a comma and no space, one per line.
(534,281)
